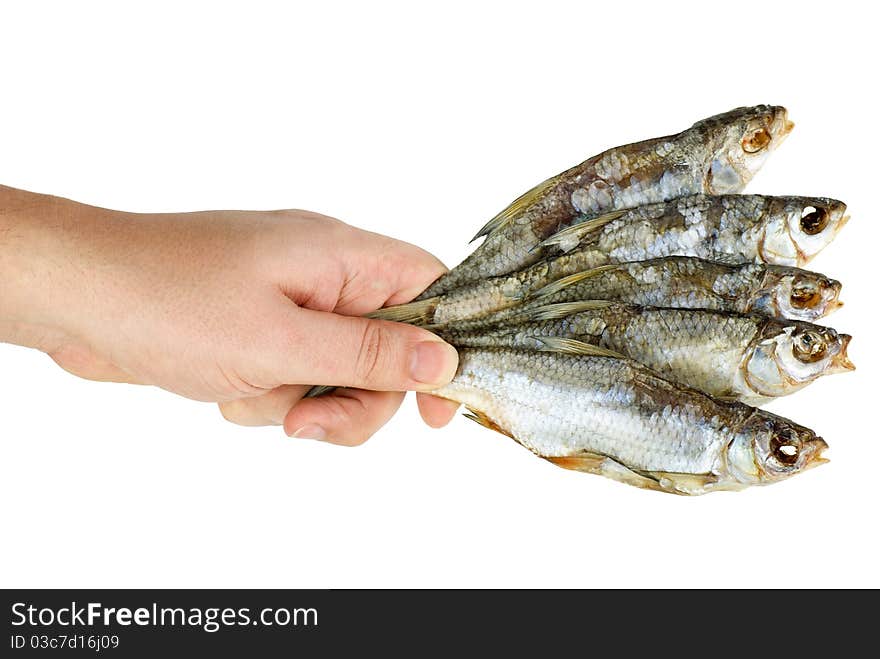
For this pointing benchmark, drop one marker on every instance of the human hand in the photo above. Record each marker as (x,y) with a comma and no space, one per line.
(246,309)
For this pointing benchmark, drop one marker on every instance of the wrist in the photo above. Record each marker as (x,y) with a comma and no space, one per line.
(43,241)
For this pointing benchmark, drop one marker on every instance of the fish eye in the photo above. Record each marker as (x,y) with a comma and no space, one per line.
(756,140)
(813,220)
(805,296)
(785,448)
(810,347)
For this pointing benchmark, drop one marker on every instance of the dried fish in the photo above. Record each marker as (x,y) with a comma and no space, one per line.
(611,416)
(673,281)
(749,358)
(728,228)
(718,155)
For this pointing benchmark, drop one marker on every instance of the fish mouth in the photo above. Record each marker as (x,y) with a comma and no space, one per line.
(787,124)
(841,362)
(782,122)
(833,306)
(815,448)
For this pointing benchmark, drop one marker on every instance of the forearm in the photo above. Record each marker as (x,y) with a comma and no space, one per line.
(44,242)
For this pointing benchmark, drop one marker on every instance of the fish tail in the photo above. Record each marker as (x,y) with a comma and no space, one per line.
(419,313)
(318,390)
(472,340)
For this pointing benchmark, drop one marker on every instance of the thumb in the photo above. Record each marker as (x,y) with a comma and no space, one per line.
(327,348)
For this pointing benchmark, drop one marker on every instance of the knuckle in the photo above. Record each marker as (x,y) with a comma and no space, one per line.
(412,266)
(374,341)
(345,419)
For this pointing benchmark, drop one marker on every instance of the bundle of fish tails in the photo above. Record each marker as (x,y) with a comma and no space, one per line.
(718,155)
(620,318)
(727,228)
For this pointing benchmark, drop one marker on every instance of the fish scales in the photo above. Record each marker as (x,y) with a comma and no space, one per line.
(614,417)
(544,399)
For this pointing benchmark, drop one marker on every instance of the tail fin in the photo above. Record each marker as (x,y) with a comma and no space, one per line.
(318,390)
(415,313)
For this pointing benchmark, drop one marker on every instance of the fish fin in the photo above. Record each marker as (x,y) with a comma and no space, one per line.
(565,282)
(570,237)
(574,347)
(661,481)
(414,313)
(319,390)
(516,208)
(485,421)
(602,465)
(563,309)
(691,484)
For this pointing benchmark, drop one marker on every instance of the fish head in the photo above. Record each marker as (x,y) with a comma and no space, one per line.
(789,356)
(739,142)
(769,448)
(795,229)
(796,294)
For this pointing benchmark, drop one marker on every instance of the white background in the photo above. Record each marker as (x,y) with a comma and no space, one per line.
(420,124)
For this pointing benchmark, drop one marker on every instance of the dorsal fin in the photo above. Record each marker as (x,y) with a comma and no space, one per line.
(565,282)
(564,309)
(574,347)
(516,207)
(570,237)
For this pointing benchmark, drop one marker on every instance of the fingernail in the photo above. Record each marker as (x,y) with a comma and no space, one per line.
(310,431)
(433,363)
